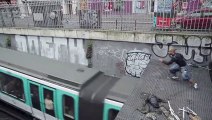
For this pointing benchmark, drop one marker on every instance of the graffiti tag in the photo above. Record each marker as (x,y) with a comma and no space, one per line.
(136,62)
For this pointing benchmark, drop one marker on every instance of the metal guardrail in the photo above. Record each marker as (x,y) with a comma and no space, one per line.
(119,15)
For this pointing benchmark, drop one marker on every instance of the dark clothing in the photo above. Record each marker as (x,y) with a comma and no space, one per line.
(178,59)
(180,65)
(50,112)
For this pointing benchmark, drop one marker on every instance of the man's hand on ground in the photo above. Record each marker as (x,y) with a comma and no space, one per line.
(194,117)
(161,60)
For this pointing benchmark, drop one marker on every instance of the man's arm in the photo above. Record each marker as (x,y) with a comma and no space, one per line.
(167,62)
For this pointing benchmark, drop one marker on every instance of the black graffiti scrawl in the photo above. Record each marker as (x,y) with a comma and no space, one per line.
(195,48)
(136,62)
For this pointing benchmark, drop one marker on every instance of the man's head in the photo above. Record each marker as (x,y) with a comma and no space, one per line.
(48,96)
(172,51)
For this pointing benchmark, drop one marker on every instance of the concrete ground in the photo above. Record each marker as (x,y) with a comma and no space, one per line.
(154,81)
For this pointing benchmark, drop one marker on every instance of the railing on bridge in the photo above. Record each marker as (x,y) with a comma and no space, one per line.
(120,15)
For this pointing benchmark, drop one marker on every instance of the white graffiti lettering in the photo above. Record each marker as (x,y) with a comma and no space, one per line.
(55,48)
(136,62)
(77,52)
(21,43)
(111,52)
(33,45)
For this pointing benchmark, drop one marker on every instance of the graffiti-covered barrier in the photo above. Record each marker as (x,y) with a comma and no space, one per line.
(123,58)
(115,58)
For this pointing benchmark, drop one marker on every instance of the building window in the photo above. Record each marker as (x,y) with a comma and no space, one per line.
(12,86)
(140,4)
(68,110)
(112,114)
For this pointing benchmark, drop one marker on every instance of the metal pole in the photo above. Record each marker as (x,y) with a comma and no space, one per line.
(13,22)
(2,19)
(135,24)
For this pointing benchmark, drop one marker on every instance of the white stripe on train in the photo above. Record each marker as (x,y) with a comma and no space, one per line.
(40,81)
(114,103)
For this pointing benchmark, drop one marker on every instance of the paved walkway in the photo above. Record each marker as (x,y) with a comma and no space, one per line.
(179,93)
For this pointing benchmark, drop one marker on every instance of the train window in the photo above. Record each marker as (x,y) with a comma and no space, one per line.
(112,114)
(68,103)
(1,79)
(12,86)
(34,89)
(49,102)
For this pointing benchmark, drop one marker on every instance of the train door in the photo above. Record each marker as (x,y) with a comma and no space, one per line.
(68,107)
(43,101)
(35,92)
(49,103)
(111,109)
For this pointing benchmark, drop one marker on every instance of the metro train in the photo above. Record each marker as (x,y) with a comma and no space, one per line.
(51,90)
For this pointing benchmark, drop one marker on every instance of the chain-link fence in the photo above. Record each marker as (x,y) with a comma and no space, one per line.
(120,15)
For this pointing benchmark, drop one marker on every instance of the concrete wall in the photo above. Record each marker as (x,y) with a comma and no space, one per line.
(124,58)
(3,40)
(117,58)
(62,49)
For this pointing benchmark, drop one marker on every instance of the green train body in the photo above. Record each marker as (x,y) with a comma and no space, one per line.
(52,90)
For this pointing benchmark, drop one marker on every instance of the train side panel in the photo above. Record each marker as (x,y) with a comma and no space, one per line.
(68,105)
(44,103)
(14,90)
(33,94)
(65,103)
(35,98)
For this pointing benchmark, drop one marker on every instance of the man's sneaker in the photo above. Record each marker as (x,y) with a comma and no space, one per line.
(195,86)
(174,77)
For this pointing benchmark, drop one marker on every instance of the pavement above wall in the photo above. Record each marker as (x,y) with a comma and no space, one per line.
(95,34)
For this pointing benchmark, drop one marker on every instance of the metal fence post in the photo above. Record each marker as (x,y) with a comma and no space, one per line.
(13,22)
(135,24)
(2,19)
(116,24)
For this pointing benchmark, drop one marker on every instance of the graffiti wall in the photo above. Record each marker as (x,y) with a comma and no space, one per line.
(62,49)
(121,58)
(194,48)
(113,57)
(21,43)
(136,62)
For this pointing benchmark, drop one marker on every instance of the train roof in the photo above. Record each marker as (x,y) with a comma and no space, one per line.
(122,89)
(66,73)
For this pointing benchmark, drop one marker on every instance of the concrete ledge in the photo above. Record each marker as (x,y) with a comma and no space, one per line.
(95,35)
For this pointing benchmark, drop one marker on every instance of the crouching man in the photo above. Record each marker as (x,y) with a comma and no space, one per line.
(179,65)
